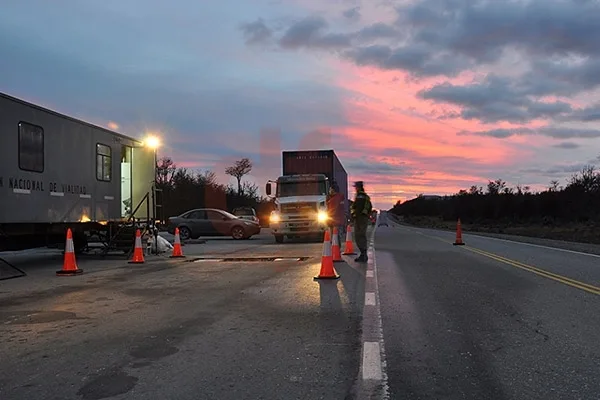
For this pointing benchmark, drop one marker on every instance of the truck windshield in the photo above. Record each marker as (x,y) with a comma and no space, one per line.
(301,189)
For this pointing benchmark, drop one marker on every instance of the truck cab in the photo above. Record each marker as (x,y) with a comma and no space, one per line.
(300,206)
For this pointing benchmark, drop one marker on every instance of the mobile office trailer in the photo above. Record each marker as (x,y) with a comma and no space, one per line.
(57,172)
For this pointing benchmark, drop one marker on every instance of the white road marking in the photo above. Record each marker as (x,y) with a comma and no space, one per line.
(371,361)
(370,299)
(373,351)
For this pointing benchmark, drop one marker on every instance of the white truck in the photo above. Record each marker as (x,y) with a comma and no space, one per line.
(300,193)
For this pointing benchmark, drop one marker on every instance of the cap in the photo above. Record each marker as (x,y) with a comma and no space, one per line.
(358,184)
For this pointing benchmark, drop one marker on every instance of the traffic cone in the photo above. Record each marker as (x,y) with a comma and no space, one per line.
(335,246)
(138,252)
(177,252)
(458,241)
(69,264)
(349,247)
(327,271)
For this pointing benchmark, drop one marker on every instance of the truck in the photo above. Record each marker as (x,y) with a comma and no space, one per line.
(300,193)
(59,173)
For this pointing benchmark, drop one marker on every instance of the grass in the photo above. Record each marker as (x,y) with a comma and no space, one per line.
(573,231)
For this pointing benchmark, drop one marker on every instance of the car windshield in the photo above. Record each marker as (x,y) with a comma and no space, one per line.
(314,188)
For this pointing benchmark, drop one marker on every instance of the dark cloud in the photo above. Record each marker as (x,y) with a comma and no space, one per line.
(309,32)
(553,132)
(415,58)
(585,114)
(559,170)
(256,32)
(559,38)
(372,166)
(482,29)
(566,145)
(352,13)
(493,100)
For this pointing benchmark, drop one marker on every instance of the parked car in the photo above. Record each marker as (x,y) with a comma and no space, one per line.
(248,213)
(211,222)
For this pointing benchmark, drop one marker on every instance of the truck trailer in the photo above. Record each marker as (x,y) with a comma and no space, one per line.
(57,172)
(301,191)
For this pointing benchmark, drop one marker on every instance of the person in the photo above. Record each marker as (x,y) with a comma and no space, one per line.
(361,210)
(336,211)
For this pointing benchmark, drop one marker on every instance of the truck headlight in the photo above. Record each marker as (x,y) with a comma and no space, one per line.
(275,217)
(322,216)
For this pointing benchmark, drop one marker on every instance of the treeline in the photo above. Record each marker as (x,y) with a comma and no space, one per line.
(577,202)
(183,190)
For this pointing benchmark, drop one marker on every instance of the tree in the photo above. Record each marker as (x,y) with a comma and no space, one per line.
(239,170)
(165,170)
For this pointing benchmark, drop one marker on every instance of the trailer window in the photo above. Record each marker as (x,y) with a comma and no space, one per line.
(31,147)
(103,162)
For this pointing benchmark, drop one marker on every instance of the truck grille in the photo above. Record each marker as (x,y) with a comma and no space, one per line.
(298,208)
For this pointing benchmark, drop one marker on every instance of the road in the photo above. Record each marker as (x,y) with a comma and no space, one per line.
(424,319)
(178,329)
(489,320)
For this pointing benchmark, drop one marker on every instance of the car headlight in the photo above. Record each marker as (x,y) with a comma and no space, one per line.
(275,217)
(322,216)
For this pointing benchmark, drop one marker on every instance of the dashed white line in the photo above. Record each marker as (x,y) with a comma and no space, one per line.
(372,361)
(373,364)
(370,299)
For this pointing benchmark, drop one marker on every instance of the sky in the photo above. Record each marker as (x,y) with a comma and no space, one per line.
(428,96)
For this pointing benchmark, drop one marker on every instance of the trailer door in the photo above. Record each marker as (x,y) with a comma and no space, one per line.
(143,166)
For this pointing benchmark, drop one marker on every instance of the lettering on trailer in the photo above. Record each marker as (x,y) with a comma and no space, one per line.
(41,186)
(28,184)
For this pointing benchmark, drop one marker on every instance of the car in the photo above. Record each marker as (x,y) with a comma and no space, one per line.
(248,213)
(199,222)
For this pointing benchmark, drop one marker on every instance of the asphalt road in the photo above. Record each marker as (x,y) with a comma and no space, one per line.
(176,329)
(490,320)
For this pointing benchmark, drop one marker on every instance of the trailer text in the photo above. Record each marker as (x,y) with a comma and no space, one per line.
(39,186)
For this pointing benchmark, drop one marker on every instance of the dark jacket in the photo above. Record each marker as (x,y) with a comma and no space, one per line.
(336,208)
(362,205)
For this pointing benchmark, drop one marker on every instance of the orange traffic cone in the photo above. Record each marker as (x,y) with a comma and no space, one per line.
(327,271)
(349,247)
(177,252)
(458,241)
(138,252)
(335,246)
(69,264)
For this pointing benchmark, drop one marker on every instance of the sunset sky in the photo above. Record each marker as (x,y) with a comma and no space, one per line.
(415,96)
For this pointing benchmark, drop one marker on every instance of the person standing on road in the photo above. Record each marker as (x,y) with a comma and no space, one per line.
(336,210)
(361,210)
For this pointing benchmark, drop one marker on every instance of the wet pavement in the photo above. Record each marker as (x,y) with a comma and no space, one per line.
(246,328)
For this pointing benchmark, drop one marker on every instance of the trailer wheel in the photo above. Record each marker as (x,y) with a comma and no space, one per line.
(279,238)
